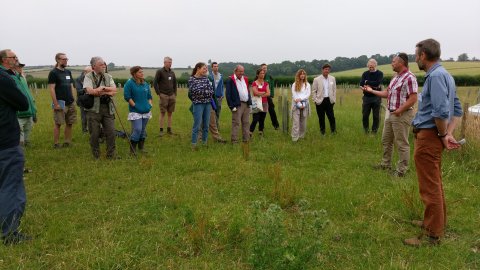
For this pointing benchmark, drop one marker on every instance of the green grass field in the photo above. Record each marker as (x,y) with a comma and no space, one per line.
(177,209)
(455,68)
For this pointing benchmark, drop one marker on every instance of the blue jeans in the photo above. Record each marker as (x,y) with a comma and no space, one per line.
(139,131)
(12,189)
(201,115)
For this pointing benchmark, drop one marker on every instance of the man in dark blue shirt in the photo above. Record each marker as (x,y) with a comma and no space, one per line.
(12,188)
(371,103)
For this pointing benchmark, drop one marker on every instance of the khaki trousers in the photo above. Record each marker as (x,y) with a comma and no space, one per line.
(299,124)
(428,161)
(395,131)
(241,116)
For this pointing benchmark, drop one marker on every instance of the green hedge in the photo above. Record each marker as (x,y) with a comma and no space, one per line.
(460,80)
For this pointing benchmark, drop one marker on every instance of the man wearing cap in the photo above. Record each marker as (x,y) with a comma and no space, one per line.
(12,188)
(401,95)
(28,117)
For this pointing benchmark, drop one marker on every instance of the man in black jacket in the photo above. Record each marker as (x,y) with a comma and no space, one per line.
(12,189)
(373,78)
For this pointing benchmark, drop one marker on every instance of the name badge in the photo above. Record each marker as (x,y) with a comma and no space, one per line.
(169,78)
(67,77)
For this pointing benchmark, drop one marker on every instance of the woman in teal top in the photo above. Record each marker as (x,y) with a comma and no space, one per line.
(137,94)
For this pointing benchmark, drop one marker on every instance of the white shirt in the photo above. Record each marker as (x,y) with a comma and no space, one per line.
(242,88)
(304,93)
(325,86)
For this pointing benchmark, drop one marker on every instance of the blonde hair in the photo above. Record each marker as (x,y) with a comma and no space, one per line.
(298,84)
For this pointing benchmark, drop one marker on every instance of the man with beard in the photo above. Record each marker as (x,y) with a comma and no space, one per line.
(439,111)
(60,82)
(101,85)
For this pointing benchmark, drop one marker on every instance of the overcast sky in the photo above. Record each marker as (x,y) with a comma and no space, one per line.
(142,32)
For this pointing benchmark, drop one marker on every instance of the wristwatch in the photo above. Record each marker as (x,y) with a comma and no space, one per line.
(442,136)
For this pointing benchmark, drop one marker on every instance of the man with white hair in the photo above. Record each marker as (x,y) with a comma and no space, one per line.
(371,103)
(100,84)
(239,101)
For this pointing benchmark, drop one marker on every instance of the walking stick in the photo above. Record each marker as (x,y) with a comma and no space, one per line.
(123,128)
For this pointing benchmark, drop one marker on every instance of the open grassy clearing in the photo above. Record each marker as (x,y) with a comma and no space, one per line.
(178,209)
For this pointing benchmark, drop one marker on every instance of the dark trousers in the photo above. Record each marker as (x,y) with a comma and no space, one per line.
(83,114)
(373,107)
(260,119)
(326,108)
(271,111)
(12,189)
(107,121)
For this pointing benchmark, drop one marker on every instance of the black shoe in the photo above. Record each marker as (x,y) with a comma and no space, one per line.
(27,170)
(57,146)
(15,238)
(66,144)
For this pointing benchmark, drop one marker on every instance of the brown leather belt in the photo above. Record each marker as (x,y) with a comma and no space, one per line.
(417,130)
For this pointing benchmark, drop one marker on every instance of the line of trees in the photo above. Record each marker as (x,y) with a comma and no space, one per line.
(287,68)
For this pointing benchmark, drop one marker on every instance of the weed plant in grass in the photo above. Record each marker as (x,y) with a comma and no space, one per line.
(177,209)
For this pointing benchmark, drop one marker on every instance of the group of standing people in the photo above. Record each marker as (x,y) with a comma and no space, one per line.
(439,111)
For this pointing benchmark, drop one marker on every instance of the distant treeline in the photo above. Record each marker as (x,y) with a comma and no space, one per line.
(460,80)
(287,68)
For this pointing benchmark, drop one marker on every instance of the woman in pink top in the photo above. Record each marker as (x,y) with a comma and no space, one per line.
(260,89)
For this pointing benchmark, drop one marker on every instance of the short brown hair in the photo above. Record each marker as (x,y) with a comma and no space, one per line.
(326,65)
(430,47)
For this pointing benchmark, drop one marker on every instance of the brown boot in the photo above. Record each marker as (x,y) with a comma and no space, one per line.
(420,241)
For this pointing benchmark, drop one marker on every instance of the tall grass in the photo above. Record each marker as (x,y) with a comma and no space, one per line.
(178,209)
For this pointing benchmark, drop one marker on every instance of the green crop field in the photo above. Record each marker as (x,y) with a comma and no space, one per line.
(124,73)
(314,204)
(455,68)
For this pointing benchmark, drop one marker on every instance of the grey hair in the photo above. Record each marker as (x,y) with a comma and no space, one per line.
(238,66)
(3,53)
(94,60)
(166,58)
(371,60)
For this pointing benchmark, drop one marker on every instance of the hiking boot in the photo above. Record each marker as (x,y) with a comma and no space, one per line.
(381,167)
(221,140)
(133,147)
(398,174)
(420,241)
(169,131)
(141,145)
(15,238)
(417,223)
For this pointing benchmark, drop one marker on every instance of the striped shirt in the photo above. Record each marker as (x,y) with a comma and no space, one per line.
(401,86)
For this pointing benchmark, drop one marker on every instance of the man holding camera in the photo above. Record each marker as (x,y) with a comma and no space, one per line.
(101,85)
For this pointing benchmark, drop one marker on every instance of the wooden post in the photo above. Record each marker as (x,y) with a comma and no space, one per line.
(464,120)
(285,114)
